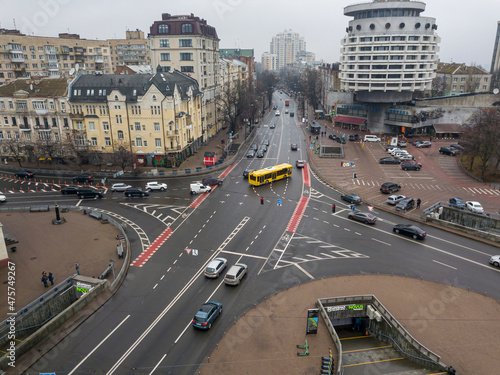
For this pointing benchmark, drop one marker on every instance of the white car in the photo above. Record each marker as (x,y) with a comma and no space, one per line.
(394,199)
(156,186)
(3,198)
(495,260)
(277,113)
(405,157)
(215,268)
(474,207)
(394,151)
(120,186)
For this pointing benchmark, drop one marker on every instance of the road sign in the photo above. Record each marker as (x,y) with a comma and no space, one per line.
(352,207)
(370,208)
(195,252)
(279,202)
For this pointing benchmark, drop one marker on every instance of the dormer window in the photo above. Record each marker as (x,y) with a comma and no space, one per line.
(116,97)
(154,98)
(187,28)
(162,29)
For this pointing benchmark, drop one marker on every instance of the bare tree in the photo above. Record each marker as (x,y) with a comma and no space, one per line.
(311,86)
(123,157)
(15,148)
(235,99)
(47,148)
(267,83)
(438,86)
(76,147)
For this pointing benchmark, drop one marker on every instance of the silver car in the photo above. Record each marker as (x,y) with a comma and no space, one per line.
(215,268)
(120,186)
(235,274)
(394,199)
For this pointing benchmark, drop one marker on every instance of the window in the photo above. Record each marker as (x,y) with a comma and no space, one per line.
(157,126)
(162,29)
(455,79)
(27,135)
(138,142)
(2,105)
(54,122)
(6,120)
(187,69)
(92,126)
(94,141)
(187,28)
(463,79)
(158,142)
(107,141)
(165,56)
(164,43)
(105,126)
(37,123)
(1,135)
(143,128)
(66,125)
(186,57)
(454,88)
(14,121)
(137,127)
(185,42)
(154,98)
(118,119)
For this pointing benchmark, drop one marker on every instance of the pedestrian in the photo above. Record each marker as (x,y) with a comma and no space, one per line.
(77,268)
(341,163)
(418,202)
(309,138)
(354,175)
(333,208)
(51,278)
(261,200)
(44,280)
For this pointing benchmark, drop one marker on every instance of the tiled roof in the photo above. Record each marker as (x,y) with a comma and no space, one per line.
(46,87)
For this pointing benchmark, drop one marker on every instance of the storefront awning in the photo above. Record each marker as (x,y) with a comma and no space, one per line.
(349,120)
(448,128)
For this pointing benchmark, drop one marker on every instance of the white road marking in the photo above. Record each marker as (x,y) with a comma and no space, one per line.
(160,361)
(304,271)
(443,264)
(385,243)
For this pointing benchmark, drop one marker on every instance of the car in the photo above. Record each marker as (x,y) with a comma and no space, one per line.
(475,207)
(395,199)
(89,192)
(389,160)
(286,111)
(250,153)
(254,147)
(272,126)
(207,314)
(275,108)
(277,113)
(399,153)
(447,151)
(423,144)
(371,138)
(69,190)
(459,148)
(402,144)
(364,217)
(120,186)
(154,185)
(84,177)
(351,198)
(389,148)
(333,137)
(495,260)
(405,157)
(134,192)
(215,268)
(294,147)
(25,174)
(405,204)
(263,148)
(394,151)
(341,140)
(457,203)
(3,198)
(416,143)
(260,153)
(409,165)
(265,142)
(292,114)
(354,137)
(211,181)
(389,187)
(235,273)
(300,163)
(410,231)
(246,172)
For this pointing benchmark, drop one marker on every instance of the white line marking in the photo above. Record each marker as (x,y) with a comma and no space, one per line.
(435,261)
(160,361)
(385,243)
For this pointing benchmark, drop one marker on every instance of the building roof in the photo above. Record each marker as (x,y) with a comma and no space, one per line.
(131,86)
(46,87)
(456,68)
(235,52)
(199,26)
(448,128)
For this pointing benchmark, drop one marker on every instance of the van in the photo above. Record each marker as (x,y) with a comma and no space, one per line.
(372,138)
(198,187)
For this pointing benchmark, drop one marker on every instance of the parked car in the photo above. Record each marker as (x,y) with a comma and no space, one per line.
(120,186)
(84,177)
(69,190)
(423,144)
(457,203)
(394,151)
(389,161)
(89,192)
(409,165)
(447,151)
(235,274)
(161,186)
(389,187)
(207,314)
(457,147)
(475,207)
(354,137)
(402,143)
(3,198)
(294,147)
(134,192)
(410,231)
(364,217)
(215,267)
(250,153)
(300,163)
(371,138)
(416,143)
(333,137)
(246,172)
(495,260)
(405,157)
(351,198)
(395,199)
(211,181)
(260,153)
(405,204)
(341,140)
(25,174)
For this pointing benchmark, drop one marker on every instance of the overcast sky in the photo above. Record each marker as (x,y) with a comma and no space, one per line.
(467,28)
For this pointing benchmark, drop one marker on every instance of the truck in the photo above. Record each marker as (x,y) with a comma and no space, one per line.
(198,187)
(287,103)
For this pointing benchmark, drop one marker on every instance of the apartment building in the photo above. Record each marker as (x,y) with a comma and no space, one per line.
(287,46)
(456,79)
(246,56)
(269,61)
(133,50)
(157,118)
(188,44)
(495,60)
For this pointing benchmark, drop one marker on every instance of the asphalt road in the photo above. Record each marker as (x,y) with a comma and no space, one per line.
(145,327)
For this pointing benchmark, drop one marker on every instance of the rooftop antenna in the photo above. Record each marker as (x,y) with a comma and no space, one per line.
(14,20)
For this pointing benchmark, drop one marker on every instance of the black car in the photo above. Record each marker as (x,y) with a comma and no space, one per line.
(409,165)
(246,172)
(250,153)
(333,137)
(341,140)
(265,142)
(447,151)
(89,193)
(389,160)
(25,174)
(353,137)
(410,230)
(211,181)
(84,177)
(260,153)
(69,190)
(405,204)
(351,198)
(134,192)
(389,187)
(457,147)
(292,114)
(294,147)
(364,217)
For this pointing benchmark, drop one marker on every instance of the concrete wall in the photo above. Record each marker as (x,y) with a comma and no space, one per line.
(475,100)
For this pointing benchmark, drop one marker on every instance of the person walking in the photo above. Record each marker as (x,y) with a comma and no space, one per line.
(44,280)
(77,268)
(418,202)
(51,278)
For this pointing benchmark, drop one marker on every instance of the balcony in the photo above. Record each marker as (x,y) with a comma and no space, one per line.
(53,67)
(17,57)
(24,127)
(99,60)
(16,49)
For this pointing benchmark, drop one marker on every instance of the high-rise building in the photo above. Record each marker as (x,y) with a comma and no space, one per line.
(389,53)
(188,44)
(269,61)
(133,50)
(244,55)
(495,61)
(287,46)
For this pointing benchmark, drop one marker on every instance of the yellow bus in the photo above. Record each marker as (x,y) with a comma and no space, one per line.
(270,174)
